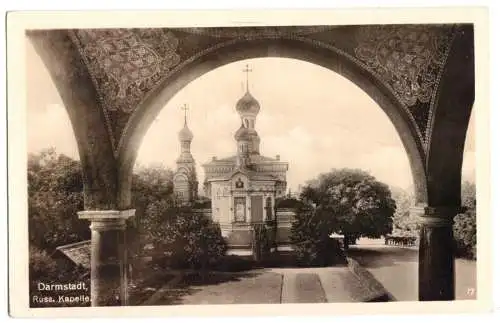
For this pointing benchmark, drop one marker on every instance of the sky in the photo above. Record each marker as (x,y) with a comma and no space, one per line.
(313,118)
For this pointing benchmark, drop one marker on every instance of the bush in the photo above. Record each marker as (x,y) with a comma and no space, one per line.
(188,240)
(311,242)
(42,266)
(464,231)
(55,196)
(287,203)
(233,263)
(261,243)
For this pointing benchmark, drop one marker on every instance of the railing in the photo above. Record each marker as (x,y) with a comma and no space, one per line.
(400,241)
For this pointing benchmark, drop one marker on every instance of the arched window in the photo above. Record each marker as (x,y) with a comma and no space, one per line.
(269,209)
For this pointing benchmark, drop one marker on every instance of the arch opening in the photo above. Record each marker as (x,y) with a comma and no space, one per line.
(146,114)
(326,130)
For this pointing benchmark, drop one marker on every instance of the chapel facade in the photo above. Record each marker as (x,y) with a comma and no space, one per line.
(243,188)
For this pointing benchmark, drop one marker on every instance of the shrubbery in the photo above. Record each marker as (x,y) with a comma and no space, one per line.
(55,187)
(188,240)
(310,239)
(287,203)
(42,266)
(464,230)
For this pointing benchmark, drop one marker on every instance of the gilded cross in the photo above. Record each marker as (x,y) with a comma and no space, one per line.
(247,70)
(185,108)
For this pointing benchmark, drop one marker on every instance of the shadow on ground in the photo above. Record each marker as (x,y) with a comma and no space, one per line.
(194,282)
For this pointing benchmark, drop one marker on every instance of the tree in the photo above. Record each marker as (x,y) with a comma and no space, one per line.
(405,223)
(464,227)
(310,237)
(351,202)
(469,195)
(55,195)
(152,193)
(180,237)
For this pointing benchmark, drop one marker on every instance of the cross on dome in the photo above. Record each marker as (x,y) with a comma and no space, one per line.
(247,105)
(185,108)
(247,70)
(185,134)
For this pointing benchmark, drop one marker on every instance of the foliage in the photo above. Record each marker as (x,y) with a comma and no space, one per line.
(202,203)
(464,227)
(41,264)
(233,263)
(152,192)
(404,222)
(287,202)
(464,231)
(351,202)
(469,195)
(261,243)
(55,187)
(188,239)
(44,268)
(180,238)
(310,238)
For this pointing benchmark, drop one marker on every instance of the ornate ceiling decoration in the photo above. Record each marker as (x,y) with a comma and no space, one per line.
(409,59)
(127,64)
(253,32)
(123,61)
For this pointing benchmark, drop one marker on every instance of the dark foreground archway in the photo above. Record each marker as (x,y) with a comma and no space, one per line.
(422,76)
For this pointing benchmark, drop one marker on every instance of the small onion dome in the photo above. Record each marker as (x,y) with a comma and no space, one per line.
(242,134)
(248,104)
(185,134)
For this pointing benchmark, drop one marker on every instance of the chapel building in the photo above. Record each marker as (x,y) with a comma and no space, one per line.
(243,188)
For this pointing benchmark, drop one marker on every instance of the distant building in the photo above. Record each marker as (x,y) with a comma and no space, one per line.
(185,180)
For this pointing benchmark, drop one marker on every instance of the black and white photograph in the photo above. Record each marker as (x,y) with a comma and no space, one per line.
(189,164)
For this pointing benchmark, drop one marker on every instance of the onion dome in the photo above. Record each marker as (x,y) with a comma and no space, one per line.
(242,134)
(247,104)
(185,134)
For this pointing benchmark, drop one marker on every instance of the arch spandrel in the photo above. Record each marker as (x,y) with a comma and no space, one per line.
(75,87)
(129,64)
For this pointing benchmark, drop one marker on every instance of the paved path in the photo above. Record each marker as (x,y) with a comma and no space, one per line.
(397,269)
(277,285)
(394,267)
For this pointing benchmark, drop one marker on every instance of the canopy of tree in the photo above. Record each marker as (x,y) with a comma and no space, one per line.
(351,202)
(55,196)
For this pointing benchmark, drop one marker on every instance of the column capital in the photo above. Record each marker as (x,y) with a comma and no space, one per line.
(436,216)
(106,219)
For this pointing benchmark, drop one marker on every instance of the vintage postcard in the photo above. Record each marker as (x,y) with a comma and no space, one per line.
(248,162)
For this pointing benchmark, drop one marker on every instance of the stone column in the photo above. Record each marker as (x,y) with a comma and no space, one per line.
(108,256)
(436,266)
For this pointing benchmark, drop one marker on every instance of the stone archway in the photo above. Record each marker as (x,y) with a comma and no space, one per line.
(422,76)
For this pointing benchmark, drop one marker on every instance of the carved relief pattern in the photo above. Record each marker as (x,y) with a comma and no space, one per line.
(408,58)
(127,62)
(252,32)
